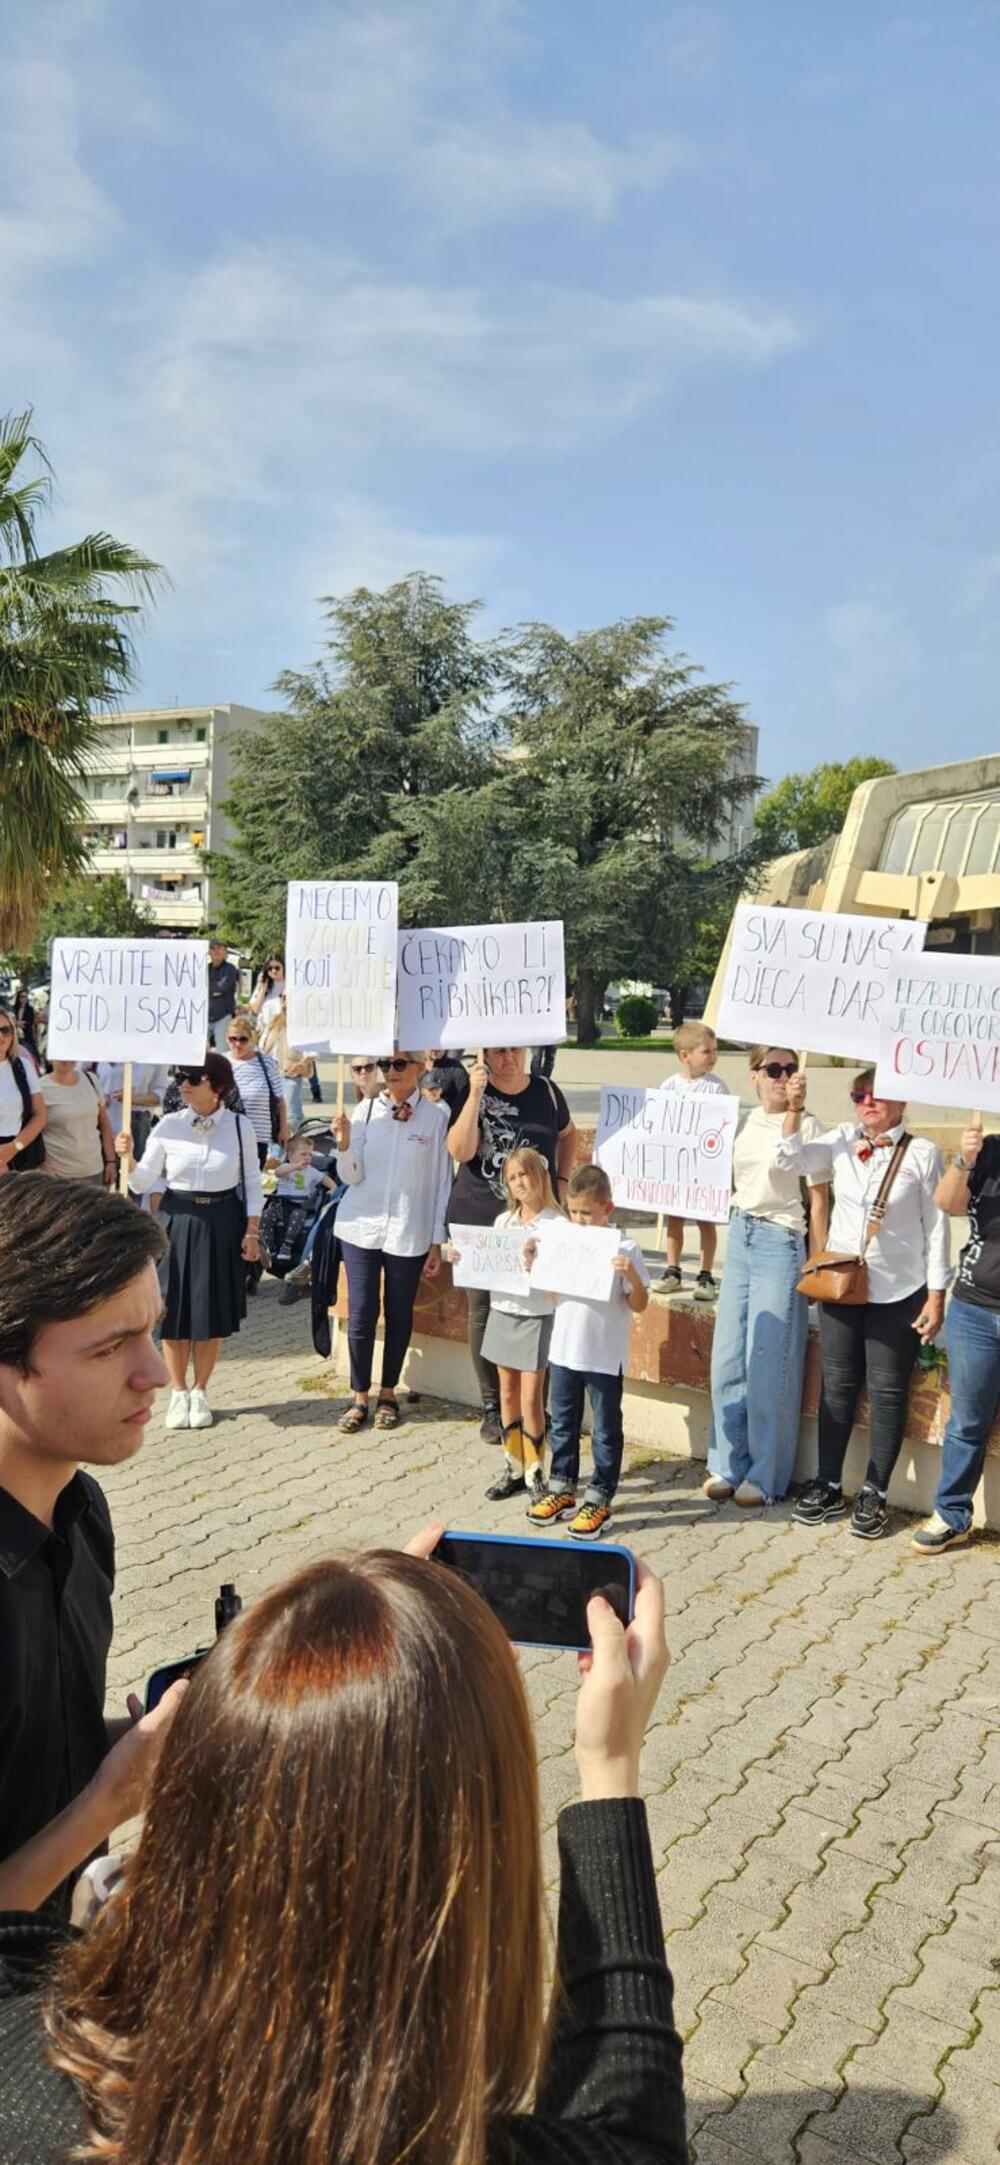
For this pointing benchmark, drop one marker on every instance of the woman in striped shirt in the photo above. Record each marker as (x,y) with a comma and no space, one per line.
(258,1081)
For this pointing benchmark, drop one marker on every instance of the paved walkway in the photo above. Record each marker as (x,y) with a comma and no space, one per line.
(823,1779)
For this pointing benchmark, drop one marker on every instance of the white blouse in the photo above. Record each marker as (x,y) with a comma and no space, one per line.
(199,1154)
(913,1244)
(398,1175)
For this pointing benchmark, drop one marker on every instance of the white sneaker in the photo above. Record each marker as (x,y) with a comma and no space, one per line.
(750,1496)
(178,1410)
(201,1411)
(717,1488)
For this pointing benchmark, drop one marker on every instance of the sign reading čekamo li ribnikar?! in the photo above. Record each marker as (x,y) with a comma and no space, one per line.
(811,979)
(482,985)
(340,963)
(141,1000)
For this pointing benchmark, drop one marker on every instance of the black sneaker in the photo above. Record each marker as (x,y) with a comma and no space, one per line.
(706,1288)
(509,1484)
(819,1502)
(870,1516)
(490,1428)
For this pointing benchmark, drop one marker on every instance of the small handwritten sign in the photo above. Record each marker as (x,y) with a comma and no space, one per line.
(340,958)
(811,979)
(129,1000)
(576,1260)
(482,985)
(940,1040)
(491,1257)
(669,1150)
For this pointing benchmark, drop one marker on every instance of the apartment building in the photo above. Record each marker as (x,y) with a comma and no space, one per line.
(156,784)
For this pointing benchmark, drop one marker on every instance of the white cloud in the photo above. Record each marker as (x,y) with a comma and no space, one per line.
(873,649)
(413,94)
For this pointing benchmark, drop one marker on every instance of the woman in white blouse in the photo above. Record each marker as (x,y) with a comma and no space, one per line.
(23,1112)
(393,1158)
(205,1159)
(908,1262)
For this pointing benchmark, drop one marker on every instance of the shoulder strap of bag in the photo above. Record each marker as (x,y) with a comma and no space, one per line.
(239,1118)
(24,1087)
(879,1206)
(271,1091)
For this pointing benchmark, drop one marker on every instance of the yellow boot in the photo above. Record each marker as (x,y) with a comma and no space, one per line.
(511,1480)
(534,1465)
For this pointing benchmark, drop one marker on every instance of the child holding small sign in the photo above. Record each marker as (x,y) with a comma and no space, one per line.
(697,1050)
(588,1351)
(517,1337)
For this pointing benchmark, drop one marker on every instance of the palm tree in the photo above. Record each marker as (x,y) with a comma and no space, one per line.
(65,653)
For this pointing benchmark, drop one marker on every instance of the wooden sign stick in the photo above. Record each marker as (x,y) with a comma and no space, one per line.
(341,1071)
(126,1127)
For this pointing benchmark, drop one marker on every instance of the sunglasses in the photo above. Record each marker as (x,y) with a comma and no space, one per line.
(239,1041)
(866,1097)
(191,1075)
(779,1070)
(362,1067)
(395,1067)
(5,1030)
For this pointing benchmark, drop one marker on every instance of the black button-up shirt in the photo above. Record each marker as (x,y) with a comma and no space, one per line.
(223,986)
(55,1631)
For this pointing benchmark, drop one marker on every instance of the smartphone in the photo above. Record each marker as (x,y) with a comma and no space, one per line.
(540,1589)
(161,1679)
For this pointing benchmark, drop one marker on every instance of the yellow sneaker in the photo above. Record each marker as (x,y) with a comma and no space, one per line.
(547,1508)
(590,1521)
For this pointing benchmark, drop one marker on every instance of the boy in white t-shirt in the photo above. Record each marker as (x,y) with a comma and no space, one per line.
(697,1050)
(587,1356)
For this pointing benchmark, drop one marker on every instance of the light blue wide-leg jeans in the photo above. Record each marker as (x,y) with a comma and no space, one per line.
(758,1354)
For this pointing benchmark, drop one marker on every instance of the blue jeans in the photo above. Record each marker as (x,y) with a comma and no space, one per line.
(972,1336)
(758,1353)
(567,1388)
(291,1091)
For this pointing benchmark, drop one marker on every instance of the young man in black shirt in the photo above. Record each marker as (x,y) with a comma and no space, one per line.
(223,991)
(79,1302)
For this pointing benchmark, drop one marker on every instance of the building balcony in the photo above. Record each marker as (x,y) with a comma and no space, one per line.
(175,912)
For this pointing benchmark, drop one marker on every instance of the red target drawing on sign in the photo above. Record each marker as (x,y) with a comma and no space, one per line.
(711,1142)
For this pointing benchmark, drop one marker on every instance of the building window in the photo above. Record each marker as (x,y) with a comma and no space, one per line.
(163,736)
(201,736)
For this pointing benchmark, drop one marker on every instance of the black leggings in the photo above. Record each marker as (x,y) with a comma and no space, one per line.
(877,1345)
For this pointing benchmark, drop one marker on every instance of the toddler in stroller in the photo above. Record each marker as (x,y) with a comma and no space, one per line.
(296,1190)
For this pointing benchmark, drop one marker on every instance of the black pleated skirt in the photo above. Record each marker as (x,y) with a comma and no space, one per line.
(203,1275)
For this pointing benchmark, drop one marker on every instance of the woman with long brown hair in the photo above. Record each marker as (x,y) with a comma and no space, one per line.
(329,1947)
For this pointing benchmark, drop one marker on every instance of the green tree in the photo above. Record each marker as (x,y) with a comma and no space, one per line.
(85,908)
(66,623)
(396,711)
(806,809)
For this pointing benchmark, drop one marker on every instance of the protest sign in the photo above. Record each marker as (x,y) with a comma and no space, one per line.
(575,1259)
(129,1000)
(340,964)
(811,979)
(490,1257)
(482,985)
(669,1150)
(940,1040)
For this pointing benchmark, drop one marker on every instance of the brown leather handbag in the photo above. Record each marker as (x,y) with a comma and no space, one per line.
(843,1279)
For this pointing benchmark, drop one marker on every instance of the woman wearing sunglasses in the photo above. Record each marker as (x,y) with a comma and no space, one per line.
(875,1342)
(762,1323)
(265,1000)
(258,1081)
(203,1162)
(23,1112)
(393,1159)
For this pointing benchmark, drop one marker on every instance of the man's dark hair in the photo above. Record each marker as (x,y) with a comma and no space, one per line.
(64,1248)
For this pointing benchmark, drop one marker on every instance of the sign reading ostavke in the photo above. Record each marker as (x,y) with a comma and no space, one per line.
(812,980)
(340,964)
(669,1150)
(940,1039)
(129,1000)
(482,985)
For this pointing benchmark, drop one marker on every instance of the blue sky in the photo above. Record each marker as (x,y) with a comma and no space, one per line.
(681,308)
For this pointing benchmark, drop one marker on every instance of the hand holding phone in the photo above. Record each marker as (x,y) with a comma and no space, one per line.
(622,1675)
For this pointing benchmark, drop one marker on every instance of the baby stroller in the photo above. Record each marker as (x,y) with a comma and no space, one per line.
(286,1221)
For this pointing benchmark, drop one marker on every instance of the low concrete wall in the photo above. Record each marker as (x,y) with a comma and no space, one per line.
(667,1392)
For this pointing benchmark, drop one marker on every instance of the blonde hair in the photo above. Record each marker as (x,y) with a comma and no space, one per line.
(533,1163)
(689,1034)
(247,1022)
(15,1039)
(759,1053)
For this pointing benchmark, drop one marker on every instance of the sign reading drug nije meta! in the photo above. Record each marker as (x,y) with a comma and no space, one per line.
(669,1150)
(141,1000)
(340,962)
(813,980)
(482,985)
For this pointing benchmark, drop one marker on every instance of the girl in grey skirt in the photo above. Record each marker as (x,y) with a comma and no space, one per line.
(517,1338)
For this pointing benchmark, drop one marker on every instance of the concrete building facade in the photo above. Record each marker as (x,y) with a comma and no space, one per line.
(156,784)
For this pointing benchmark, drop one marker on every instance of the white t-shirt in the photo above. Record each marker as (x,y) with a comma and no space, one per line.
(73,1146)
(761,1186)
(11,1106)
(699,1085)
(298,1184)
(592,1336)
(525,1304)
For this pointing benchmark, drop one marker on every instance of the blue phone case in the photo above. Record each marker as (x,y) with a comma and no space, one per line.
(541,1541)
